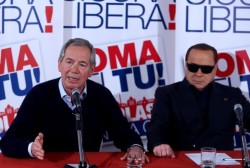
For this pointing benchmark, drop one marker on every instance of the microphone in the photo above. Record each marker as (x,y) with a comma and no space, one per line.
(76,99)
(239,113)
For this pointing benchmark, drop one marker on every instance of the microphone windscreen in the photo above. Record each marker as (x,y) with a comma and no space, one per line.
(239,113)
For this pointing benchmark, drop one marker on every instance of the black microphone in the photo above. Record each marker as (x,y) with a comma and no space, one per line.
(239,113)
(76,99)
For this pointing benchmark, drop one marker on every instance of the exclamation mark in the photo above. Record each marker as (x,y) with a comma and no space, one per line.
(159,68)
(49,13)
(172,9)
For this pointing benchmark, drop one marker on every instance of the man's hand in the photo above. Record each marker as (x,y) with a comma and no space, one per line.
(136,152)
(163,150)
(37,147)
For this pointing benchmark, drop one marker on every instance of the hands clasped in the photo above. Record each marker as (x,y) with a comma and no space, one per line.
(136,152)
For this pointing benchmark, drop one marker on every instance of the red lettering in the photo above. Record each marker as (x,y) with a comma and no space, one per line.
(6,58)
(149,53)
(242,57)
(230,65)
(102,58)
(129,52)
(128,57)
(25,51)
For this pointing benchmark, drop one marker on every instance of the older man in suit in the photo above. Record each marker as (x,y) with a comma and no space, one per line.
(197,111)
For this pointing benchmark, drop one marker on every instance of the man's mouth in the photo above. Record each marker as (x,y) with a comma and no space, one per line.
(72,78)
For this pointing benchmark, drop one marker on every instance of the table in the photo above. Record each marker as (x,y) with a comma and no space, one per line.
(105,160)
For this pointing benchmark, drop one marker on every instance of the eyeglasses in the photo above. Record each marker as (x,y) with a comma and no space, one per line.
(206,69)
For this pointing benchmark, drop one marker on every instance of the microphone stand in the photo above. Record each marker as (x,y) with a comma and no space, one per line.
(239,116)
(79,128)
(245,157)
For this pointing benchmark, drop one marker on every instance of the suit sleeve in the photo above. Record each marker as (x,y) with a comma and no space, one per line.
(22,130)
(160,119)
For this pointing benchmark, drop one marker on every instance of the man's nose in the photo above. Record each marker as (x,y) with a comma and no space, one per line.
(199,72)
(75,67)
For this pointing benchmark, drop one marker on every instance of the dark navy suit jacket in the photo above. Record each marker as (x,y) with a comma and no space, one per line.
(177,121)
(43,110)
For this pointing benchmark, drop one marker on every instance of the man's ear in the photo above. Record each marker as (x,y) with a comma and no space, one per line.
(58,65)
(91,72)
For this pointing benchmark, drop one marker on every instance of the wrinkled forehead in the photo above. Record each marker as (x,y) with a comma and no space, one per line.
(201,57)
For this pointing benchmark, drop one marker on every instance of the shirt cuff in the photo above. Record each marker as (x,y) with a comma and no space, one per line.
(138,146)
(29,149)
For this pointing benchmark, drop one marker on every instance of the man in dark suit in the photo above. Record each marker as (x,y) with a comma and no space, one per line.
(46,119)
(197,111)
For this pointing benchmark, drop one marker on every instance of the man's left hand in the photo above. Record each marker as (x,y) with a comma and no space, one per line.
(136,152)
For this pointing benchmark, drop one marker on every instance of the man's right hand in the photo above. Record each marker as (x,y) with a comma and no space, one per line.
(37,147)
(163,150)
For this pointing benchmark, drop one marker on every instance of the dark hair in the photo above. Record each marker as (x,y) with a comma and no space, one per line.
(203,46)
(82,43)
